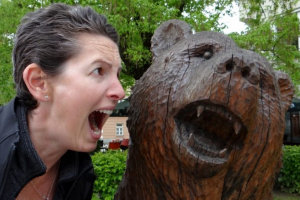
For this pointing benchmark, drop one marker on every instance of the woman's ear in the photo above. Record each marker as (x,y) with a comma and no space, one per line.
(36,82)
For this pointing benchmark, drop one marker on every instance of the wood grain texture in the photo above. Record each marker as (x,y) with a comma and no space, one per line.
(206,121)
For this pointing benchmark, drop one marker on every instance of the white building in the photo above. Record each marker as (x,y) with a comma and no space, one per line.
(268,8)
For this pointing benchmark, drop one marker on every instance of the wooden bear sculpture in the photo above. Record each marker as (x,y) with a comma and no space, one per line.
(206,121)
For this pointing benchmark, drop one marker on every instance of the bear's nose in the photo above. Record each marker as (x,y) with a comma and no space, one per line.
(239,66)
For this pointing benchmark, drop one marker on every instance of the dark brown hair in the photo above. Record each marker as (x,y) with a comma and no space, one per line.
(47,37)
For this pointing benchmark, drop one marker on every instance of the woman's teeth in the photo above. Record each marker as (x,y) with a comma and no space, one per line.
(98,132)
(95,128)
(96,119)
(108,112)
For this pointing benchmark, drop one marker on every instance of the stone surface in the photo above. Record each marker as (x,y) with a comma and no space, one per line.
(206,121)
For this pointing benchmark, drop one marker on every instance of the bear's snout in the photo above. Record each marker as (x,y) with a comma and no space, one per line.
(239,66)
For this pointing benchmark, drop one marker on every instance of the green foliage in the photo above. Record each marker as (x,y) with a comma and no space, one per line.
(289,177)
(10,15)
(6,89)
(283,198)
(135,21)
(273,32)
(109,168)
(271,35)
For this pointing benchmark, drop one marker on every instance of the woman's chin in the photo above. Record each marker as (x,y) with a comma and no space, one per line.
(89,147)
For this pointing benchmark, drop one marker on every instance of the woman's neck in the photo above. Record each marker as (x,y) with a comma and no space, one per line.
(40,134)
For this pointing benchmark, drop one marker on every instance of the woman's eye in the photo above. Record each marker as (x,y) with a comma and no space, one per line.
(98,71)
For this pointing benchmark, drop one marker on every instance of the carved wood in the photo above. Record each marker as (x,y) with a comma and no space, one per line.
(206,121)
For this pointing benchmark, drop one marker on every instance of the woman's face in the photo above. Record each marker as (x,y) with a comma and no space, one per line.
(85,93)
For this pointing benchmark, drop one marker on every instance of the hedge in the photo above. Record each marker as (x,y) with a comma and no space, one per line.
(110,166)
(289,176)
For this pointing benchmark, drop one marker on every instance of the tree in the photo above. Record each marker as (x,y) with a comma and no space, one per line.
(273,32)
(10,15)
(135,21)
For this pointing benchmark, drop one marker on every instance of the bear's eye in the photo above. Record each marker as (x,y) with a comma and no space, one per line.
(205,52)
(207,55)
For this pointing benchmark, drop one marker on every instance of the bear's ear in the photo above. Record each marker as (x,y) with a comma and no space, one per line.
(168,34)
(286,89)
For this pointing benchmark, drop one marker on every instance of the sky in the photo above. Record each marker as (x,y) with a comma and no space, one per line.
(233,22)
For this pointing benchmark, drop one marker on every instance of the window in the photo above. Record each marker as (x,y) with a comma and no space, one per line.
(119,129)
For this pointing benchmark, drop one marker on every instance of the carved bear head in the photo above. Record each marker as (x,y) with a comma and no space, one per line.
(206,120)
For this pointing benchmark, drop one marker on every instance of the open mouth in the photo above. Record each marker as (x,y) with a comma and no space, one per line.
(209,131)
(97,120)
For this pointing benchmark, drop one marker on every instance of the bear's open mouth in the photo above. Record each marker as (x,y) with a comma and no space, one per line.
(209,131)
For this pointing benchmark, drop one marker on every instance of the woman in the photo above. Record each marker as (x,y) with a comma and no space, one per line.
(66,67)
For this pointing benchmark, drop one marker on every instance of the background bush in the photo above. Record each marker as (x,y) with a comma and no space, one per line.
(109,168)
(289,176)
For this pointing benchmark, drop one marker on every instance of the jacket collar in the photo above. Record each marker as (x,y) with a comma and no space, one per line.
(25,163)
(8,120)
(70,164)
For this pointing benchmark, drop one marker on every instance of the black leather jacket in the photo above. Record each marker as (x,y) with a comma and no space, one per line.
(19,162)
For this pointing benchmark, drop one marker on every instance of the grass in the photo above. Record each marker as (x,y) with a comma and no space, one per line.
(277,196)
(285,196)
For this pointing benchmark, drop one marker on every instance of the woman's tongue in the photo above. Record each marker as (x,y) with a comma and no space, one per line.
(95,121)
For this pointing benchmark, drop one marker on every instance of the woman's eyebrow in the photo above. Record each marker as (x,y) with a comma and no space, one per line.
(102,61)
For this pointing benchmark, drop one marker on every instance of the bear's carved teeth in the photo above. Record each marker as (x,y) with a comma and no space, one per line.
(209,130)
(237,127)
(222,153)
(200,110)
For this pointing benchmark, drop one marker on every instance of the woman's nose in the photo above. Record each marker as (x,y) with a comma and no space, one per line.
(116,91)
